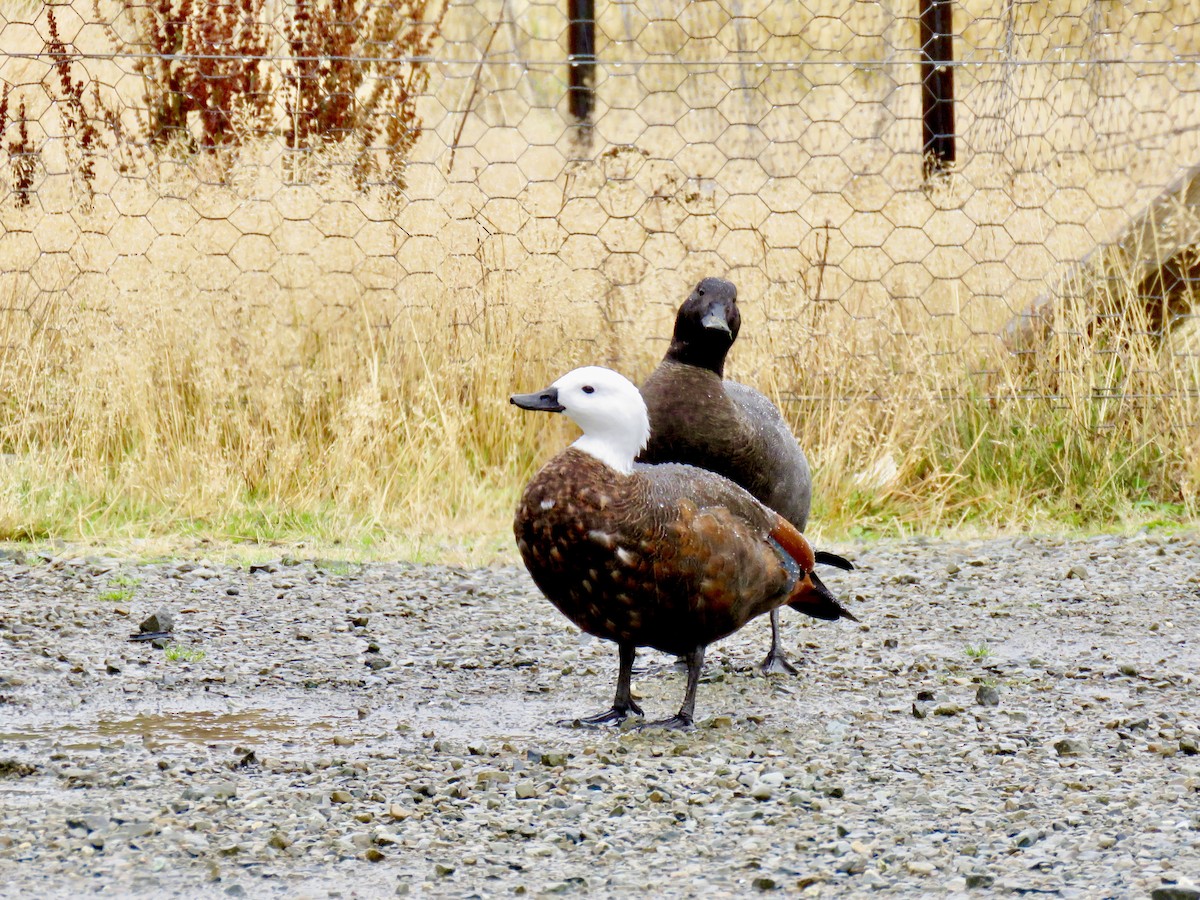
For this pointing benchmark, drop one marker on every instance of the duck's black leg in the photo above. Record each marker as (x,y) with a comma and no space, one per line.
(776,661)
(684,718)
(623,704)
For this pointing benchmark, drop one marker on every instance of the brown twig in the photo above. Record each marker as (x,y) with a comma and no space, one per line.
(474,93)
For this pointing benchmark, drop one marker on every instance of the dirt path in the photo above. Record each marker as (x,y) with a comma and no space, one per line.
(271,751)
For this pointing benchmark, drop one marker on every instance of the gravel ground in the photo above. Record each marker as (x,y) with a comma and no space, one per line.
(1013,716)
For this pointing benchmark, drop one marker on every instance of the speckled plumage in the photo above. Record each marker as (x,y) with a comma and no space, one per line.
(670,557)
(664,556)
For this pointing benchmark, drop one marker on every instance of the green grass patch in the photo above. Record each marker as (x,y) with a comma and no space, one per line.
(180,653)
(980,651)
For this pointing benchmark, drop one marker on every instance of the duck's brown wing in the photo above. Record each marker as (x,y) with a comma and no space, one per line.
(719,536)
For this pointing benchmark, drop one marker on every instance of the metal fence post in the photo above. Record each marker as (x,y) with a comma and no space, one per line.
(581,57)
(937,85)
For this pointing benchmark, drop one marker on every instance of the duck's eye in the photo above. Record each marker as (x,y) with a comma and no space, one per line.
(588,389)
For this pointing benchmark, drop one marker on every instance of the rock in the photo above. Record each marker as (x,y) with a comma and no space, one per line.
(762,791)
(1027,838)
(986,695)
(224,790)
(1175,892)
(764,883)
(160,620)
(526,790)
(1070,747)
(376,663)
(1127,669)
(340,797)
(279,841)
(852,864)
(1077,571)
(90,822)
(920,710)
(947,709)
(1188,746)
(980,880)
(13,768)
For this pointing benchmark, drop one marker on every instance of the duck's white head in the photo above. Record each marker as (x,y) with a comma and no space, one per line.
(606,405)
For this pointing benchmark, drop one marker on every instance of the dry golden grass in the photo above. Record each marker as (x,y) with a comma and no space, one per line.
(155,421)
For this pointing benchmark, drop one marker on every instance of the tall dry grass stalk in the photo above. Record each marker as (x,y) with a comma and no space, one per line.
(162,421)
(158,422)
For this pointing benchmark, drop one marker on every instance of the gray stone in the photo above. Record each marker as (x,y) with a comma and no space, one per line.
(1070,747)
(159,620)
(986,695)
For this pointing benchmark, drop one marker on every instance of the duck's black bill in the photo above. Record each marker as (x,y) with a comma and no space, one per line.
(542,401)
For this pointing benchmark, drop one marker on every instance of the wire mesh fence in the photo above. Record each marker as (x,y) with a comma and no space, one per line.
(295,165)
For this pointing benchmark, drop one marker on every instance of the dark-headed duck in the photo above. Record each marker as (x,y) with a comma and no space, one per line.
(666,556)
(698,418)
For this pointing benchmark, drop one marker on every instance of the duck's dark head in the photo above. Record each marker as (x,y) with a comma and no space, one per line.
(706,326)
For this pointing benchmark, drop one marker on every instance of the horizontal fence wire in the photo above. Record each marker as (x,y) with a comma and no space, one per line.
(737,59)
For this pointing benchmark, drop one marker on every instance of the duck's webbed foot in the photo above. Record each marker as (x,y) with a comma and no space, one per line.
(623,703)
(685,718)
(614,716)
(777,663)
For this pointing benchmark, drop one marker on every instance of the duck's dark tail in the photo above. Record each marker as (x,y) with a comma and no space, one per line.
(825,558)
(808,595)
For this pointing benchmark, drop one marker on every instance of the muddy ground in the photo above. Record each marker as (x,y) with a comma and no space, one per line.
(1012,716)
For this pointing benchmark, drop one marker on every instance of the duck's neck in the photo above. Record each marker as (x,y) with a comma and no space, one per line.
(615,451)
(690,353)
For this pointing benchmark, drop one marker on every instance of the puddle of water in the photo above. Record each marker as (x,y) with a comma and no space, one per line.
(246,727)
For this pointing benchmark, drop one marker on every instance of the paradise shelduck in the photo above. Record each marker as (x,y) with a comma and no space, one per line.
(699,418)
(665,556)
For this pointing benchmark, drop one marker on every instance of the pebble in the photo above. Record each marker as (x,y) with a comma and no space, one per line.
(526,790)
(986,695)
(159,620)
(1175,892)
